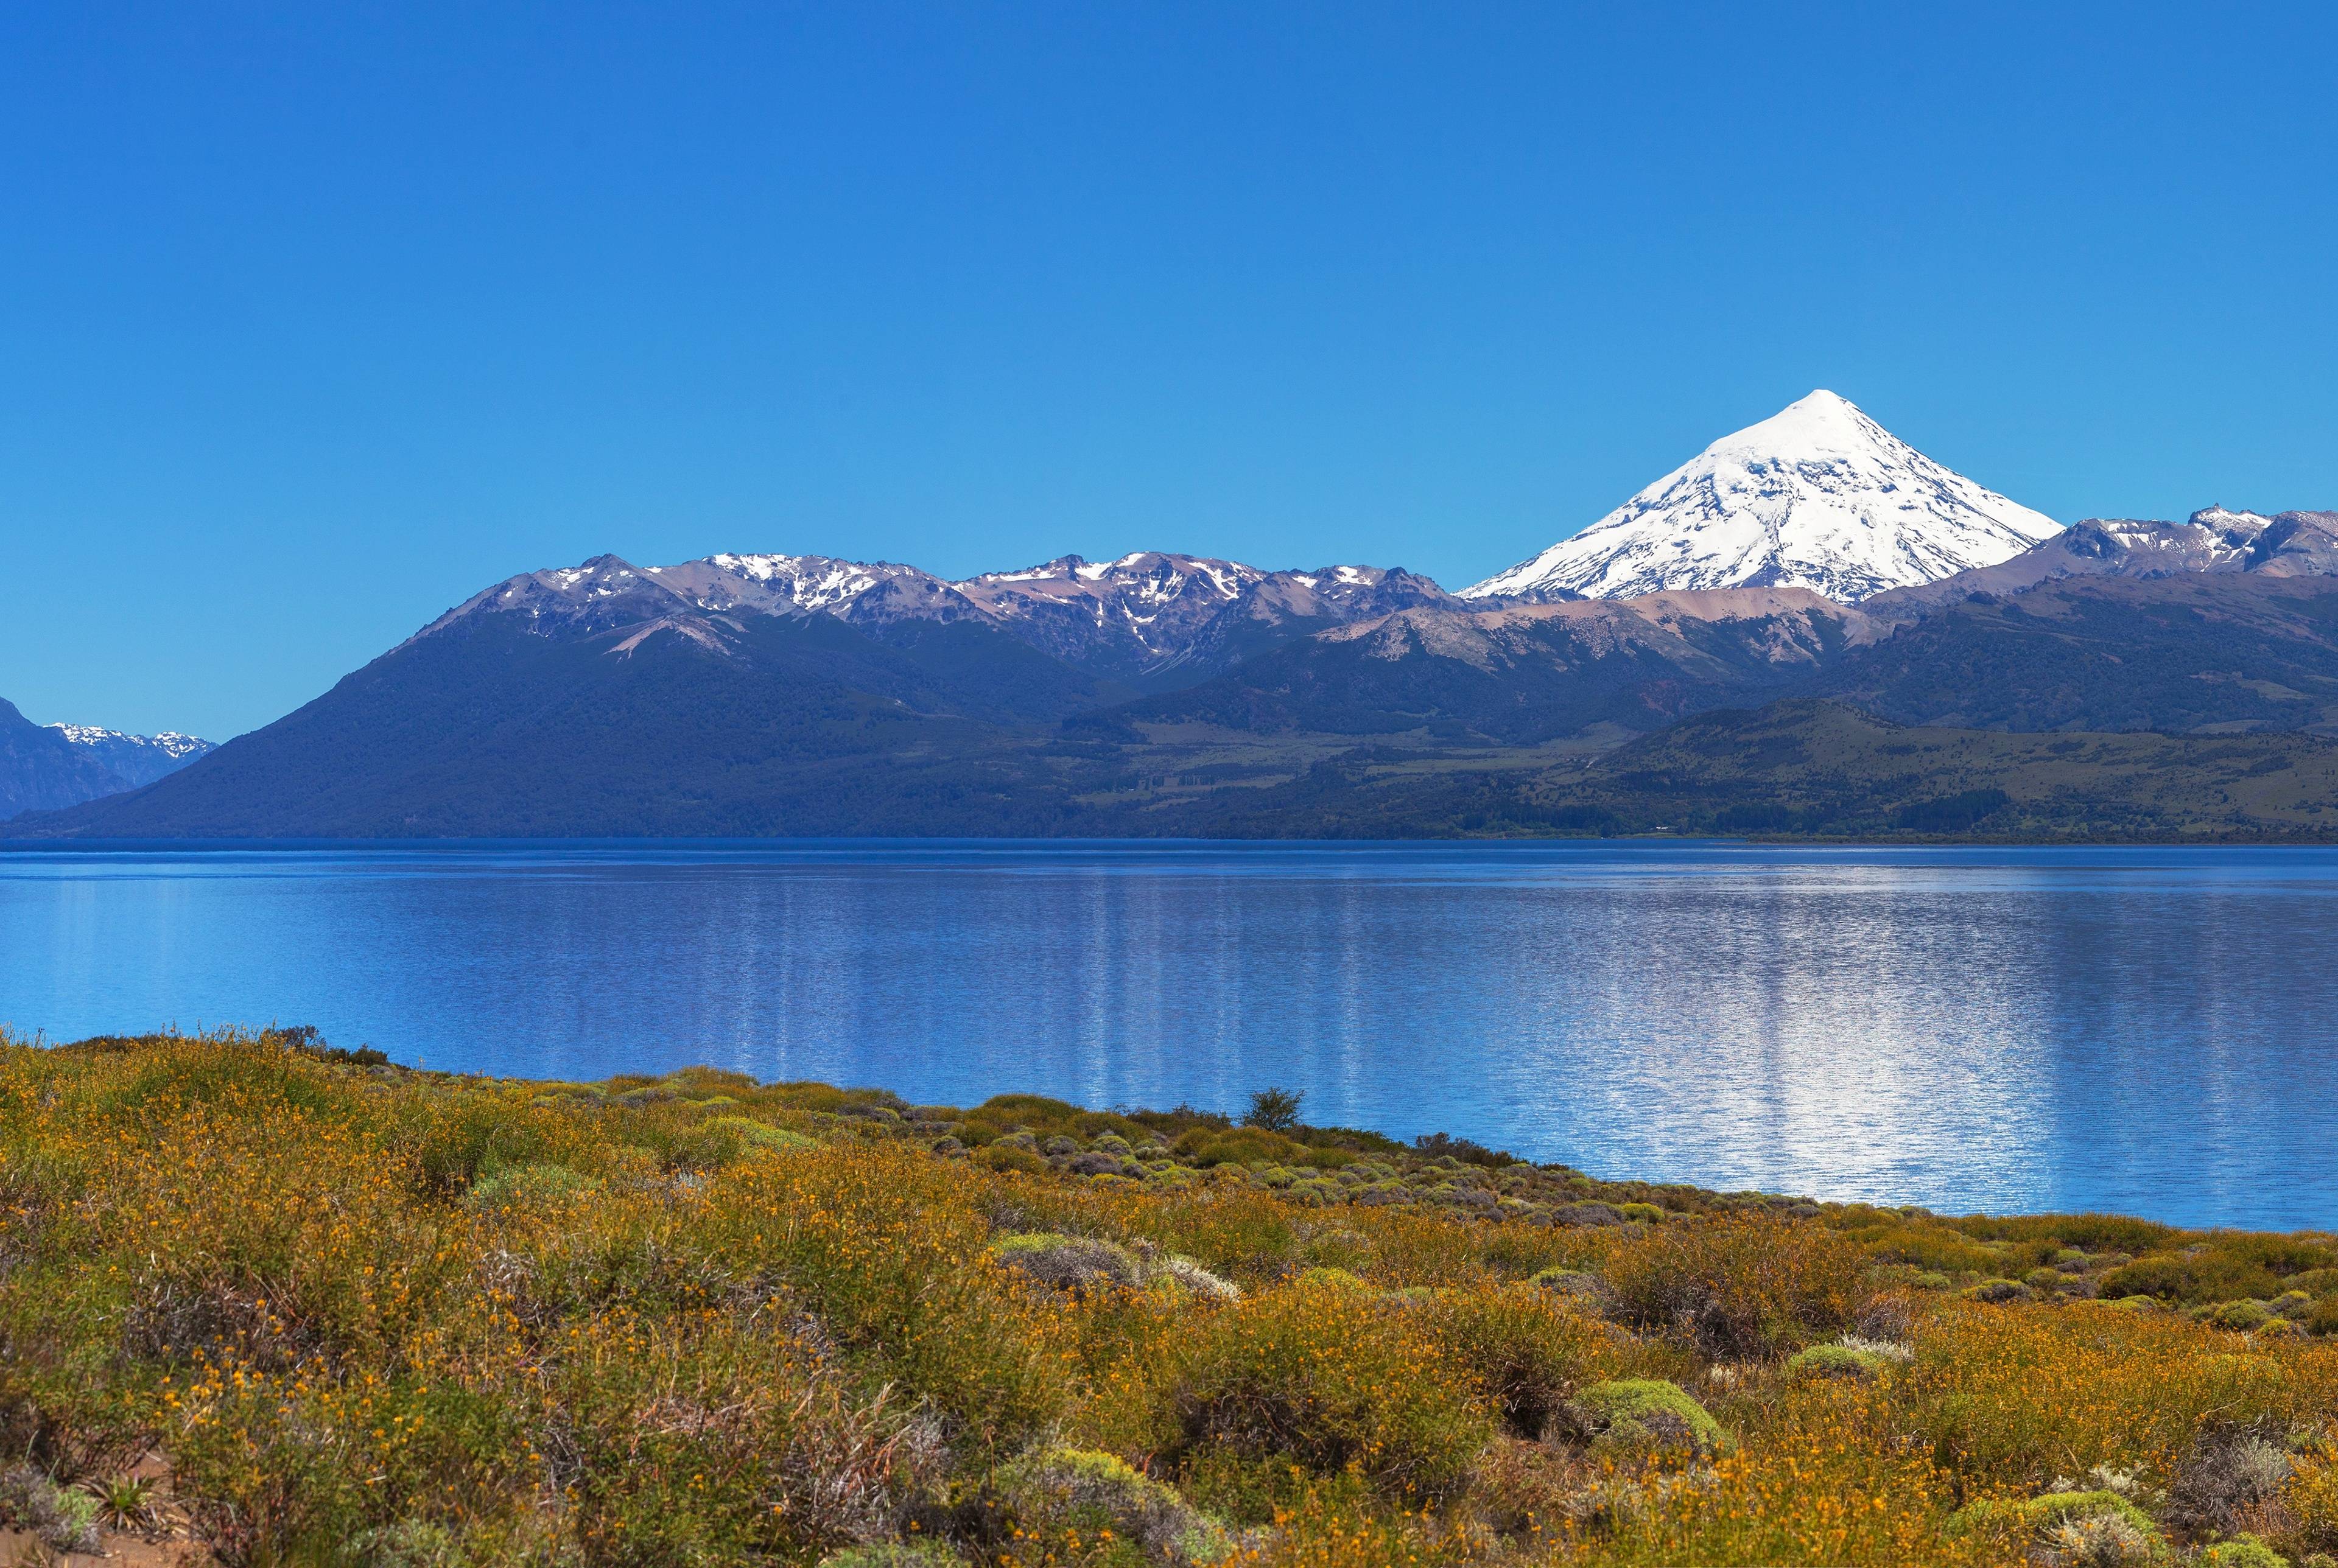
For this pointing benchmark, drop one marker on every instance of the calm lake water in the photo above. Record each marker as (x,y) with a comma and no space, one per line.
(2140,1030)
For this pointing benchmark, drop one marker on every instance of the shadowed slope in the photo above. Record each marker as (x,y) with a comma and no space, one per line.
(41,770)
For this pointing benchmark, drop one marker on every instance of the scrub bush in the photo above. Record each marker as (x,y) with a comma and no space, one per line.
(1738,1288)
(1075,1263)
(1317,1376)
(1524,1350)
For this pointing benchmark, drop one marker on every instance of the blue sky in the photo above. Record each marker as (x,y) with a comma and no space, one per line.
(316,319)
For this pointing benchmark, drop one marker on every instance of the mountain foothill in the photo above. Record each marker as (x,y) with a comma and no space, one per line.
(1810,629)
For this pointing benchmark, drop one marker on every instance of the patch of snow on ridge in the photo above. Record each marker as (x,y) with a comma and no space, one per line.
(2221,518)
(1818,496)
(135,759)
(169,742)
(811,581)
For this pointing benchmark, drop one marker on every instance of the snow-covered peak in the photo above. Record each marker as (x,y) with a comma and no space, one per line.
(1818,496)
(1822,423)
(135,759)
(170,743)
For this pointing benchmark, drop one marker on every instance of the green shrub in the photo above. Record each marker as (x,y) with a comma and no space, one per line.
(2090,1233)
(456,1139)
(2164,1278)
(1210,1146)
(761,1135)
(517,1186)
(2241,1316)
(1647,1414)
(1928,1246)
(895,1554)
(2036,1515)
(1086,1494)
(1839,1361)
(1009,1157)
(408,1543)
(63,1518)
(2224,1268)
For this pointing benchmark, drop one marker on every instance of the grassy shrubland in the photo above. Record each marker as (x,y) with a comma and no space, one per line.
(309,1308)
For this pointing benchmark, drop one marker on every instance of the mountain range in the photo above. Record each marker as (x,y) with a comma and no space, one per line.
(1811,574)
(43,768)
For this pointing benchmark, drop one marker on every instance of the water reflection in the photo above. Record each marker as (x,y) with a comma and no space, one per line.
(2139,1030)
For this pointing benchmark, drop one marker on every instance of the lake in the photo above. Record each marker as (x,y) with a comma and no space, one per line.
(2148,1031)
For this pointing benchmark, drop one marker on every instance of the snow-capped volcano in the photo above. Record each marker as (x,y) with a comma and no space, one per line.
(1818,496)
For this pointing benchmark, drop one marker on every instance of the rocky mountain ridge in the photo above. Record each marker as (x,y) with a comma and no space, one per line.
(2211,542)
(1146,619)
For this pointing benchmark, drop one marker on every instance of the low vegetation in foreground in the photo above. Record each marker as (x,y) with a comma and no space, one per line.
(289,1305)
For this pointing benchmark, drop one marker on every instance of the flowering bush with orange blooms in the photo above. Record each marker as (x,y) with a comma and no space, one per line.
(1527,1350)
(2305,1515)
(1740,1287)
(1319,1373)
(2017,1398)
(368,1316)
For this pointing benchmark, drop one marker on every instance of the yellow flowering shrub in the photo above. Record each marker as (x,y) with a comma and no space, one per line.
(368,1315)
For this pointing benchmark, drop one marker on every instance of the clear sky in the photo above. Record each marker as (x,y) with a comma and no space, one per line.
(315,319)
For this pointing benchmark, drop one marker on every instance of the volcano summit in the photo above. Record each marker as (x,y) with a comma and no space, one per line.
(1817,495)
